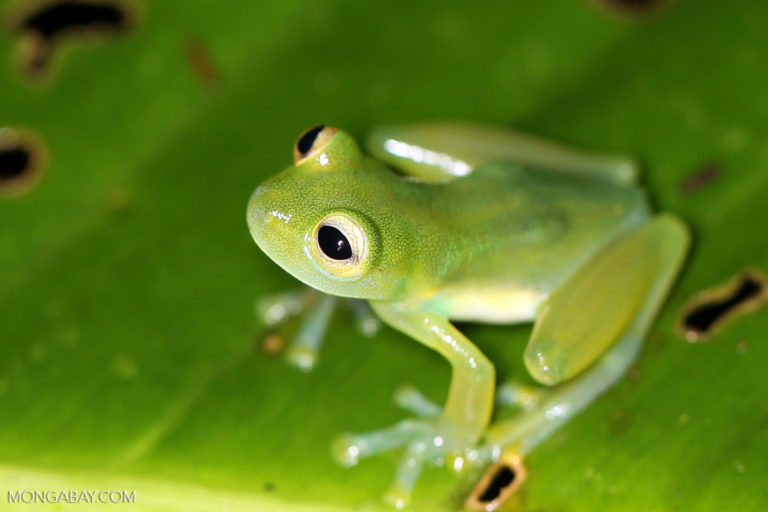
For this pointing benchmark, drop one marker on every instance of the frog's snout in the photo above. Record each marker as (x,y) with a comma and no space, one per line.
(257,214)
(263,211)
(270,220)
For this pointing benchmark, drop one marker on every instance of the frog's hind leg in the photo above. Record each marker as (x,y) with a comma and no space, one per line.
(442,151)
(656,251)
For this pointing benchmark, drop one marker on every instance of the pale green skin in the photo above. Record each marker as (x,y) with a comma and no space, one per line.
(464,232)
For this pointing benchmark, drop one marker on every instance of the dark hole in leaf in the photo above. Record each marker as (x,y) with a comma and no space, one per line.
(14,162)
(498,484)
(48,22)
(22,159)
(58,17)
(632,6)
(713,308)
(503,478)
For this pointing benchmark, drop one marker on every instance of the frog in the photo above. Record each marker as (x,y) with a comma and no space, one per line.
(443,222)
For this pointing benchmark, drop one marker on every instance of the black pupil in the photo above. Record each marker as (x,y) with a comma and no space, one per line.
(306,140)
(333,243)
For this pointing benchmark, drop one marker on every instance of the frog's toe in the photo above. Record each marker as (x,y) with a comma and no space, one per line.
(408,471)
(302,357)
(413,400)
(275,310)
(366,321)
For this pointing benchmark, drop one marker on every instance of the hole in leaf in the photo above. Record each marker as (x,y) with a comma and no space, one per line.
(711,309)
(43,26)
(631,7)
(633,4)
(59,17)
(501,480)
(14,162)
(498,484)
(22,160)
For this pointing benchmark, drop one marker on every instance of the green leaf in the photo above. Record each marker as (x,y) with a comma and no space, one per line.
(130,356)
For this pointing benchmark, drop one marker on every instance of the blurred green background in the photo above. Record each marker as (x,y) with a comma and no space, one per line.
(130,356)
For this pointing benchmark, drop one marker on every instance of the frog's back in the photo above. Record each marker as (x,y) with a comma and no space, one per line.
(522,232)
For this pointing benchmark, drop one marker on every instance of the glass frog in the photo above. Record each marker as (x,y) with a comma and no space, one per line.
(458,222)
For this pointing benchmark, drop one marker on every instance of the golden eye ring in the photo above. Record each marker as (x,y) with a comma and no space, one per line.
(340,245)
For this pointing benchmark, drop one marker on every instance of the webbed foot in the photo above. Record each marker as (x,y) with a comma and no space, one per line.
(315,310)
(430,439)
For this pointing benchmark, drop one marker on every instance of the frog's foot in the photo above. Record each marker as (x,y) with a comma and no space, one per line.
(413,400)
(426,440)
(316,310)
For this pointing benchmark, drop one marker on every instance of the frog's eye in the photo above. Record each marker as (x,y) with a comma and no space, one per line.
(340,245)
(312,141)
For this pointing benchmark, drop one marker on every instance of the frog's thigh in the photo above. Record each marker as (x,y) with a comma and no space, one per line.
(524,432)
(589,312)
(441,151)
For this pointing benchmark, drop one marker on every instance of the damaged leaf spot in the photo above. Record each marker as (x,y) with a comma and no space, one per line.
(272,344)
(702,177)
(23,159)
(499,482)
(44,26)
(631,7)
(201,64)
(711,309)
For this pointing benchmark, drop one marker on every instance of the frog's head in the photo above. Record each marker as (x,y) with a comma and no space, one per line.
(324,219)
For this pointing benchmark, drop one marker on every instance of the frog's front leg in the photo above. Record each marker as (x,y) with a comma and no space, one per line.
(451,433)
